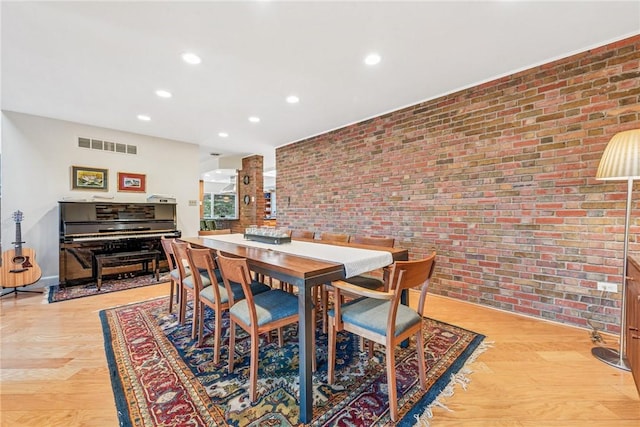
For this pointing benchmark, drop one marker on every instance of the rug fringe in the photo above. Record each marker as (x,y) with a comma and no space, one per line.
(45,294)
(461,378)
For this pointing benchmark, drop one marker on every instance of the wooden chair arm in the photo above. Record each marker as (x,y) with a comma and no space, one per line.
(357,290)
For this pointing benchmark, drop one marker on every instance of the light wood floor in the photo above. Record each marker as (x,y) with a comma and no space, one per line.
(54,373)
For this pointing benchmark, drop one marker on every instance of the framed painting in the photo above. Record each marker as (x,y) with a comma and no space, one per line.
(85,178)
(132,182)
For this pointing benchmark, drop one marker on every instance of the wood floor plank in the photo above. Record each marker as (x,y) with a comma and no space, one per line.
(53,369)
(60,418)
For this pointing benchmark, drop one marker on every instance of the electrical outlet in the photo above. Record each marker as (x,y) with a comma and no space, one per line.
(607,287)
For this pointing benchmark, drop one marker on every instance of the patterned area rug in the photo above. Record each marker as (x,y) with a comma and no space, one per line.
(57,293)
(161,378)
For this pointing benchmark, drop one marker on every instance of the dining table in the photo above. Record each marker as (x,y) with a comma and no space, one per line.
(305,264)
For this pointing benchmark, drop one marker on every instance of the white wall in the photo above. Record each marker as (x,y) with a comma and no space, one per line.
(214,187)
(37,155)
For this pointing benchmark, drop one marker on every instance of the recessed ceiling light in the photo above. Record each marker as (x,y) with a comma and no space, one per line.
(372,59)
(163,93)
(254,119)
(223,134)
(292,99)
(191,58)
(144,117)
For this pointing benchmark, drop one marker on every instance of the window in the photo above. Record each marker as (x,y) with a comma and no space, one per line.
(220,206)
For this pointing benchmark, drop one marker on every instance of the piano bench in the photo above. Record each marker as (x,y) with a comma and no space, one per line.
(118,259)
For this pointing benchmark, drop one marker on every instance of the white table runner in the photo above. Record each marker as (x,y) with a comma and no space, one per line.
(355,260)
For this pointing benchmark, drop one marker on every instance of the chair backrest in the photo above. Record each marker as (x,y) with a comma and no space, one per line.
(201,260)
(334,237)
(236,270)
(302,234)
(168,251)
(386,242)
(404,275)
(181,257)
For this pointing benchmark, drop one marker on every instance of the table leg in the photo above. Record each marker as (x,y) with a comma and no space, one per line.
(99,274)
(156,267)
(306,334)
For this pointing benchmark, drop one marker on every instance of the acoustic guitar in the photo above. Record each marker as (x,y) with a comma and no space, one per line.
(19,267)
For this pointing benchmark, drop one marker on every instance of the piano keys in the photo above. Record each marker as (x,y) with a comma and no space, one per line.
(88,229)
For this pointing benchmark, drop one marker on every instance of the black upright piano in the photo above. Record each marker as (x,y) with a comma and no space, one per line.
(88,229)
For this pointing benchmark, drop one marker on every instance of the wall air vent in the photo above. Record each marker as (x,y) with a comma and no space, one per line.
(114,147)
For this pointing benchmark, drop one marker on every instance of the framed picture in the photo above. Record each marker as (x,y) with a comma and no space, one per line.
(132,182)
(84,178)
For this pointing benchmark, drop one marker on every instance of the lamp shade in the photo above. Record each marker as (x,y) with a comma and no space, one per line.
(621,157)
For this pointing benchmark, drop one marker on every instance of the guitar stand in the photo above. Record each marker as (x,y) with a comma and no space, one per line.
(15,291)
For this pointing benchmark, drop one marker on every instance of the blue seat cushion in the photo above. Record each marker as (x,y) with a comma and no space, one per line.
(204,274)
(209,295)
(372,314)
(236,288)
(175,273)
(270,306)
(256,288)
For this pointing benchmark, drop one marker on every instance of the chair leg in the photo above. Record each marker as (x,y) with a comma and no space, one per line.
(201,324)
(196,314)
(217,336)
(172,284)
(421,359)
(324,296)
(368,344)
(391,383)
(232,345)
(332,351)
(183,305)
(180,302)
(287,287)
(253,366)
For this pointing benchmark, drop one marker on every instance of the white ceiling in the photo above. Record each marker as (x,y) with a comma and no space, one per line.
(99,63)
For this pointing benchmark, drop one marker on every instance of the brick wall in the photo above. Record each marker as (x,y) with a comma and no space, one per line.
(498,178)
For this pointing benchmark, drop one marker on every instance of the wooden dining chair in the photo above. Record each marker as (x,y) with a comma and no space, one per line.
(334,237)
(386,242)
(212,294)
(206,293)
(256,314)
(174,274)
(323,297)
(369,280)
(186,289)
(302,234)
(380,317)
